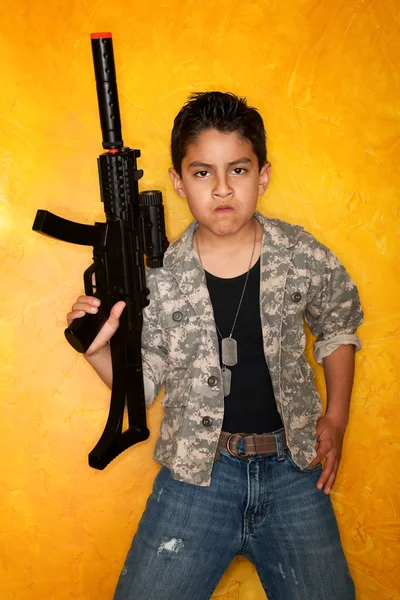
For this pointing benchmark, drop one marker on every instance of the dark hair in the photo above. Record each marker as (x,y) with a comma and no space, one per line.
(225,112)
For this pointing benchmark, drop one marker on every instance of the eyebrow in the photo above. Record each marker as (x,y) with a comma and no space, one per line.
(238,161)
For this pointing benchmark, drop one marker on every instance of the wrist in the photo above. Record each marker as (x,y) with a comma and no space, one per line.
(338,418)
(98,354)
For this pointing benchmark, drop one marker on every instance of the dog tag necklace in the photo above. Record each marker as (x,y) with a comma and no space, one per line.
(229,354)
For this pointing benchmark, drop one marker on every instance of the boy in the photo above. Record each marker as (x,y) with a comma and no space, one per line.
(224,333)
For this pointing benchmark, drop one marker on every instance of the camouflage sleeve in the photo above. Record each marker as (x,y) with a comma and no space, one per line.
(154,353)
(334,311)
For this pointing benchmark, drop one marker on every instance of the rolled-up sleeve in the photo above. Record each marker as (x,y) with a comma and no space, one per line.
(334,313)
(154,353)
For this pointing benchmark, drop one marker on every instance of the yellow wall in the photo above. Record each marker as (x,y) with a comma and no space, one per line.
(326,78)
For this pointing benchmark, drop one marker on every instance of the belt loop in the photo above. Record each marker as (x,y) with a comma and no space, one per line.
(279,445)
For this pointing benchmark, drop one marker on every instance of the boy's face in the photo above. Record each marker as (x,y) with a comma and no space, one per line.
(221,181)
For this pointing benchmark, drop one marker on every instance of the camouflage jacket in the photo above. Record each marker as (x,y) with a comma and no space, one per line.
(298,276)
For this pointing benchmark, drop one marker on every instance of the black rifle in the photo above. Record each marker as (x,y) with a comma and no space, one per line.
(134,226)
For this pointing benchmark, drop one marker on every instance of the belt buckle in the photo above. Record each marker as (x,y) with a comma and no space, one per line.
(231,452)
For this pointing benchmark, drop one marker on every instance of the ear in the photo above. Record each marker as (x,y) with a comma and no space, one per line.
(263,180)
(177,183)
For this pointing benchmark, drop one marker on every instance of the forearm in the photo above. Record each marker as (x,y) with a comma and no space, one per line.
(339,375)
(101,363)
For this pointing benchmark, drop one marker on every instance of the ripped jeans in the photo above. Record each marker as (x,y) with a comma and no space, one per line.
(263,508)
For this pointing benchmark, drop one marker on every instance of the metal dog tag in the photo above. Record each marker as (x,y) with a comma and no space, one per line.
(229,351)
(226,380)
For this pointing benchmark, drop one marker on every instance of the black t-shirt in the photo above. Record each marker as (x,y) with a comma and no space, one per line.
(250,406)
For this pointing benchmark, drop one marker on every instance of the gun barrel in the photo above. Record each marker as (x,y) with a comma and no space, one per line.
(107,92)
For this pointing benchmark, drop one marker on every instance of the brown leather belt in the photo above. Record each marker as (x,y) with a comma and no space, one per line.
(261,443)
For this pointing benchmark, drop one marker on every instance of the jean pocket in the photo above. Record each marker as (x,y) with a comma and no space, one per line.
(290,461)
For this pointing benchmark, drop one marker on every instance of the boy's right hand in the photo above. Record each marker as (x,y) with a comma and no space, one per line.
(89,304)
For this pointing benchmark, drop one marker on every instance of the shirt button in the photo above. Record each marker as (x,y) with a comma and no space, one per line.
(177,316)
(207,421)
(212,381)
(296,297)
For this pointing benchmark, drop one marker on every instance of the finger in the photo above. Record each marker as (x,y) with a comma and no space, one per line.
(314,462)
(94,282)
(331,481)
(75,314)
(329,468)
(86,303)
(85,306)
(79,311)
(322,451)
(89,300)
(108,329)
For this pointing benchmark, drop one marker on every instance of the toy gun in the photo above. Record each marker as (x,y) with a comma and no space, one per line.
(134,226)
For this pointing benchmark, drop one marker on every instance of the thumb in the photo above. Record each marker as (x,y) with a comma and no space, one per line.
(112,323)
(115,313)
(322,450)
(108,329)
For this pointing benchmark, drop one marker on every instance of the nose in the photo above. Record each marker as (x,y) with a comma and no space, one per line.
(222,188)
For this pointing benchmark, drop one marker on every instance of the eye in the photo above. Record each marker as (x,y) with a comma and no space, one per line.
(239,171)
(201,174)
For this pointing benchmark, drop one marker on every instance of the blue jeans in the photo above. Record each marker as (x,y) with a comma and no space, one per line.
(264,508)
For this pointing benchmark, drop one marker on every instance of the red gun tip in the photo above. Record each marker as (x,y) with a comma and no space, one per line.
(95,36)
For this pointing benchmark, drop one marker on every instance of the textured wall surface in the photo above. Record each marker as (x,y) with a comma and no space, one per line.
(325,76)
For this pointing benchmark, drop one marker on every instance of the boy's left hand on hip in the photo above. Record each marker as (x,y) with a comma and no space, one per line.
(330,441)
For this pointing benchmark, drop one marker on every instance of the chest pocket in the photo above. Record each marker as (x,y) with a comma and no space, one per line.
(296,292)
(294,304)
(182,333)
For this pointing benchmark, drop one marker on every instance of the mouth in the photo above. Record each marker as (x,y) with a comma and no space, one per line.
(223,210)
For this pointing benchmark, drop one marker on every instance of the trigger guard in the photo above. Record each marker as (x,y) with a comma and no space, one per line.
(87,279)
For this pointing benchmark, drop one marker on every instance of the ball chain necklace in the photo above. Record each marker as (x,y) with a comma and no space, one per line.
(229,353)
